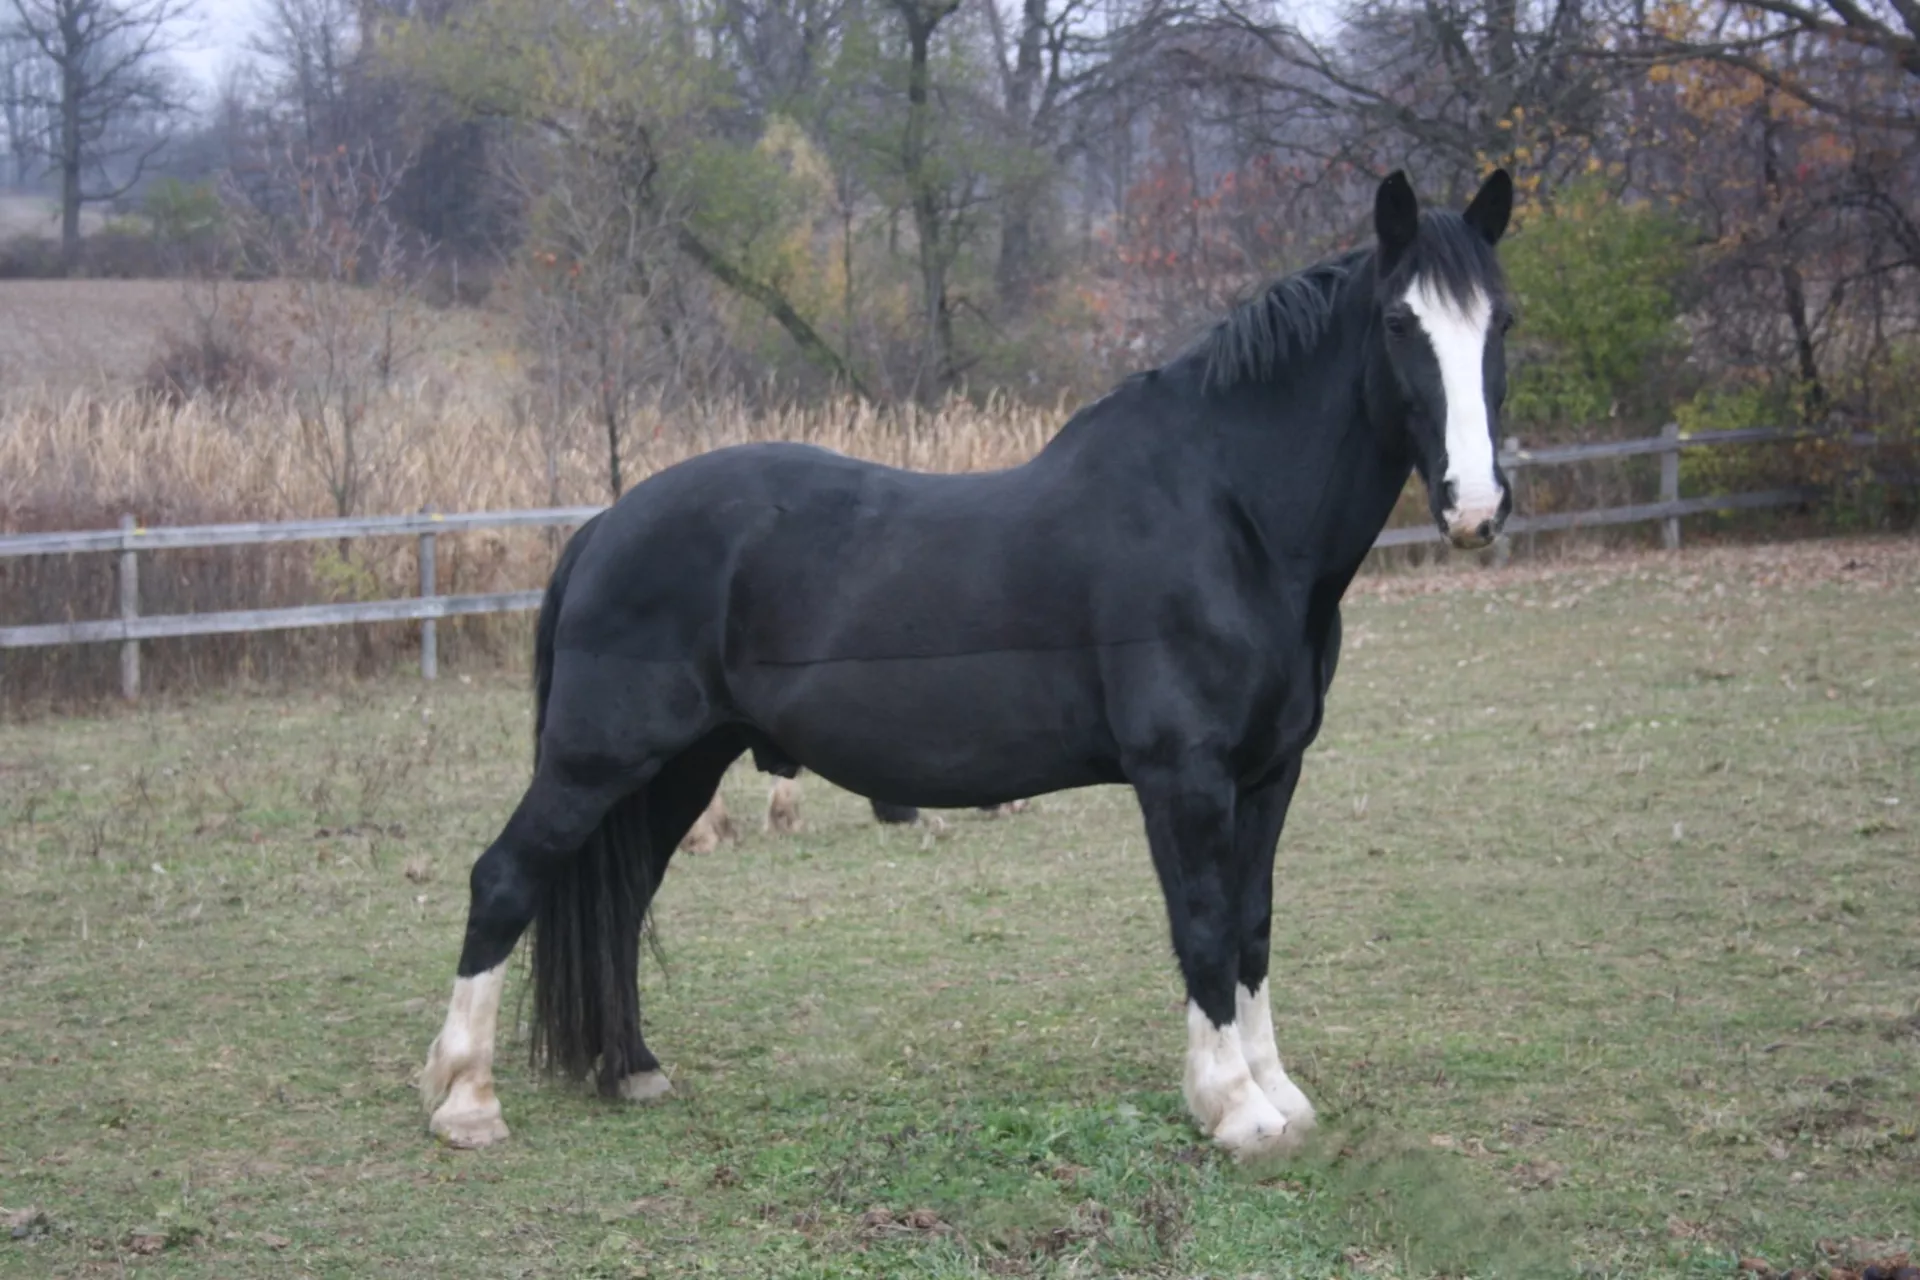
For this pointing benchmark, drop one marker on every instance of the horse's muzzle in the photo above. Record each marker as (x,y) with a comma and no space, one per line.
(1473,528)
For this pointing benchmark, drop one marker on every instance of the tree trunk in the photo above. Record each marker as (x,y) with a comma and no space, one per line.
(1013,273)
(936,365)
(72,89)
(611,420)
(1503,57)
(1812,394)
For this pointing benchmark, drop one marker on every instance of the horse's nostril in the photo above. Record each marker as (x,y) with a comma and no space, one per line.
(1485,530)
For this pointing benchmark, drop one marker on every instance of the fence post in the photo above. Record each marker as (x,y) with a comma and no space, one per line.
(429,630)
(1502,547)
(129,610)
(1670,484)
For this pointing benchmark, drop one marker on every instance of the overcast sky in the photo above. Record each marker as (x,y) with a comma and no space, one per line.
(216,37)
(219,31)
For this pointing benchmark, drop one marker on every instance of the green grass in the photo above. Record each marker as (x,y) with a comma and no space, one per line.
(1598,955)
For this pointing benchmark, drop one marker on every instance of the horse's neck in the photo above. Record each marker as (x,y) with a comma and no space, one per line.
(1321,486)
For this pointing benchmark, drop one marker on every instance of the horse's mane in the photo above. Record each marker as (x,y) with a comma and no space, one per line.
(1287,318)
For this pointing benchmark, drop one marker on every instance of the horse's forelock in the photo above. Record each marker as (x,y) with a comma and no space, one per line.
(1454,261)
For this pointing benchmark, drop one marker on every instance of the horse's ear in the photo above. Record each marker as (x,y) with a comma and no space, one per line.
(1492,206)
(1396,216)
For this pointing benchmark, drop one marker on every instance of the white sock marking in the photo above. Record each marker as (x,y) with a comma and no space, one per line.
(460,1064)
(1254,1013)
(1221,1092)
(645,1086)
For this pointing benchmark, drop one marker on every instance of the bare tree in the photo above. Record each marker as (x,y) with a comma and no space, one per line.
(1446,82)
(348,324)
(26,92)
(1855,64)
(597,257)
(311,45)
(110,71)
(1047,57)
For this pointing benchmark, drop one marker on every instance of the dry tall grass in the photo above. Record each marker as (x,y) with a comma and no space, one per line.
(88,456)
(80,461)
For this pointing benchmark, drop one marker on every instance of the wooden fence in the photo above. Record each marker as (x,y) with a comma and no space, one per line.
(129,540)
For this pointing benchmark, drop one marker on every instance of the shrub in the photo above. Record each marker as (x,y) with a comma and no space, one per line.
(205,364)
(121,250)
(30,257)
(1595,279)
(189,225)
(217,359)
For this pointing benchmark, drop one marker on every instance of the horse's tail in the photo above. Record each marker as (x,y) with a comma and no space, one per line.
(586,930)
(548,625)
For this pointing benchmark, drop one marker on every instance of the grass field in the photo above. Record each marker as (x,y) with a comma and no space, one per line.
(1598,953)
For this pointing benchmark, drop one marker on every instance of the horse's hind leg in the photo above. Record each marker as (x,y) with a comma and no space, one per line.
(676,798)
(553,820)
(1258,818)
(712,828)
(783,806)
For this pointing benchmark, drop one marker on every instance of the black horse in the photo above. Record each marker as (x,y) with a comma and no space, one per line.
(1153,599)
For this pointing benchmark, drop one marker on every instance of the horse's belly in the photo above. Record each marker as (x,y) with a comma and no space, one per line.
(940,732)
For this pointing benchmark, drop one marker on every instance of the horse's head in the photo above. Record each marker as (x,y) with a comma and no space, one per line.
(1443,321)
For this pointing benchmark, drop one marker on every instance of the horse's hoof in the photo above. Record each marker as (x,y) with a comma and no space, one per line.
(646,1086)
(1291,1103)
(471,1130)
(1256,1132)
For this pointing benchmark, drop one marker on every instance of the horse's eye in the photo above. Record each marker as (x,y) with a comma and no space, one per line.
(1396,324)
(1507,319)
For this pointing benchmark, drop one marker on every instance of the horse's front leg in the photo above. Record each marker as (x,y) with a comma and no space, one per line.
(1191,832)
(1259,816)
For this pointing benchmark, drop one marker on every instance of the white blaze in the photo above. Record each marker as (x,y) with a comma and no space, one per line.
(1459,338)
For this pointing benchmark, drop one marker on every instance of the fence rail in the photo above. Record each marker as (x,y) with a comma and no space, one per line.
(129,540)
